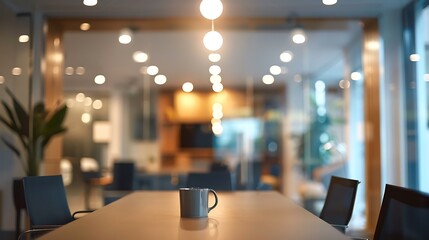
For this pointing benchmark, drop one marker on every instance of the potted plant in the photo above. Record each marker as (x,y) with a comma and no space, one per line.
(44,125)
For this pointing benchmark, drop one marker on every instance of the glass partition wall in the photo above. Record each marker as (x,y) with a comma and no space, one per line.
(415,36)
(15,75)
(289,135)
(424,48)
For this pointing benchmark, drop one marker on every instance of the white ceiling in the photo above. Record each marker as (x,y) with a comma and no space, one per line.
(189,8)
(180,55)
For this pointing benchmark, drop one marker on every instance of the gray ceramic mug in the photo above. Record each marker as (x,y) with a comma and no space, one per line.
(194,202)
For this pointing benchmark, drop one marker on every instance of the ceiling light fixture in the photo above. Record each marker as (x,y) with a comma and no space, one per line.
(160,79)
(214,121)
(80,97)
(2,80)
(268,79)
(213,40)
(187,87)
(217,129)
(217,115)
(85,26)
(97,104)
(356,76)
(211,9)
(152,70)
(217,87)
(215,70)
(100,79)
(286,56)
(275,70)
(414,57)
(23,38)
(344,84)
(89,3)
(329,2)
(86,117)
(215,79)
(140,57)
(298,35)
(16,71)
(214,57)
(125,36)
(69,71)
(87,102)
(80,70)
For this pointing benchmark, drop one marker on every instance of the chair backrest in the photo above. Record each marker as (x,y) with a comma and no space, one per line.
(124,175)
(220,180)
(46,200)
(218,166)
(340,200)
(404,214)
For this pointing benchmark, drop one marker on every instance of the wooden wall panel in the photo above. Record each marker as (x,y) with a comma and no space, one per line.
(371,67)
(53,72)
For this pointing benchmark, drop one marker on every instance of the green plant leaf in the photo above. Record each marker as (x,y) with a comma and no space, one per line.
(21,114)
(11,117)
(7,123)
(52,133)
(11,123)
(53,125)
(45,125)
(38,120)
(11,147)
(57,118)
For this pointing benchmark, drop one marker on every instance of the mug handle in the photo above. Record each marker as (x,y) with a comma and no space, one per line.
(215,195)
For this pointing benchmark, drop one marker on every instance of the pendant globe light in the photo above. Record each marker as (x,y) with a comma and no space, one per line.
(213,40)
(125,36)
(211,9)
(298,35)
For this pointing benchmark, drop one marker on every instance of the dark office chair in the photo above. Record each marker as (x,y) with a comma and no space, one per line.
(46,203)
(19,203)
(404,215)
(218,167)
(339,202)
(124,181)
(220,180)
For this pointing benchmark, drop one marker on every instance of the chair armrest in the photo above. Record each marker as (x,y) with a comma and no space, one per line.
(45,227)
(80,212)
(339,227)
(38,229)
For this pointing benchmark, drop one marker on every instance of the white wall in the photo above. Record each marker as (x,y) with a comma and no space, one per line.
(122,146)
(13,54)
(294,124)
(392,117)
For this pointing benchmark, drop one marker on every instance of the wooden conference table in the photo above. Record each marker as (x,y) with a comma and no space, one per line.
(239,215)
